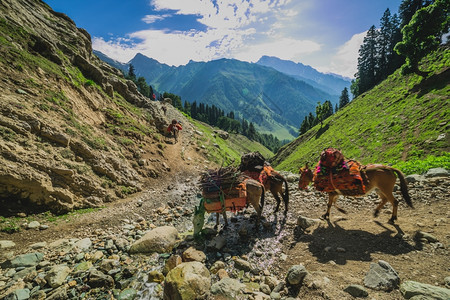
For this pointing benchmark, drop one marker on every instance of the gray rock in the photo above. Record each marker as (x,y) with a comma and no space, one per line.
(127,294)
(447,281)
(33,225)
(305,222)
(414,178)
(83,244)
(38,245)
(25,260)
(436,172)
(160,240)
(217,243)
(424,235)
(381,276)
(241,264)
(6,244)
(227,288)
(107,265)
(57,275)
(411,289)
(98,279)
(296,274)
(189,280)
(19,294)
(356,291)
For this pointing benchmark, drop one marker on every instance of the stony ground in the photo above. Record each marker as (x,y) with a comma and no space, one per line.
(337,253)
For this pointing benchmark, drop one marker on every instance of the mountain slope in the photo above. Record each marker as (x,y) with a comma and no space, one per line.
(275,102)
(329,83)
(74,132)
(404,117)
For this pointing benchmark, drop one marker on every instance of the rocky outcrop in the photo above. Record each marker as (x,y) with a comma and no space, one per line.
(57,147)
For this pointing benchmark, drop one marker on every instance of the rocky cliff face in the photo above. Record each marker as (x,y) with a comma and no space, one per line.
(73,131)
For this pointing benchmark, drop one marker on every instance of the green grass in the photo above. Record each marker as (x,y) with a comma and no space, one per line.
(227,151)
(398,120)
(420,166)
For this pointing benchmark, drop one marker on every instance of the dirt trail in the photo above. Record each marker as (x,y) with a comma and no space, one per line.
(337,252)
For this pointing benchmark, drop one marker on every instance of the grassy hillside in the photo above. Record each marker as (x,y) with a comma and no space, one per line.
(226,151)
(405,118)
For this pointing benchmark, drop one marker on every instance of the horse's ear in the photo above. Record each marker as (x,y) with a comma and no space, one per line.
(306,166)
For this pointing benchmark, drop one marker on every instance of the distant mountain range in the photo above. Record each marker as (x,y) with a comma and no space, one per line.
(275,101)
(330,83)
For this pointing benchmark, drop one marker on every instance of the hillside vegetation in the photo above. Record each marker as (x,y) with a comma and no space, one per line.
(405,118)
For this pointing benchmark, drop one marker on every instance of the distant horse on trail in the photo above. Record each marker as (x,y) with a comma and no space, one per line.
(379,177)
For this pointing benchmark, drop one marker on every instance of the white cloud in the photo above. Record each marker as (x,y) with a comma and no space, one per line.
(345,61)
(284,48)
(153,18)
(241,29)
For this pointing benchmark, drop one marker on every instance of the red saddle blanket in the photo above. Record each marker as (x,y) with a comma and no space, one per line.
(345,178)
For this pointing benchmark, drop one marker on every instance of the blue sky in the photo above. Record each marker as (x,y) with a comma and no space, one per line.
(325,34)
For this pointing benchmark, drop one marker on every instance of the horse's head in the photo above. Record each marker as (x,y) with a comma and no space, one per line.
(306,176)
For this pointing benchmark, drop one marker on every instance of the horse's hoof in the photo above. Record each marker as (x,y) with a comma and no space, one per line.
(325,217)
(392,222)
(376,213)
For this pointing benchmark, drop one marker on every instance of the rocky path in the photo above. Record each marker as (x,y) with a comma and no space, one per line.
(292,256)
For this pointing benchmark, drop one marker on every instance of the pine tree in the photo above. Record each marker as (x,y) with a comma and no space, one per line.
(408,8)
(131,73)
(187,108)
(423,34)
(367,61)
(344,99)
(142,86)
(251,133)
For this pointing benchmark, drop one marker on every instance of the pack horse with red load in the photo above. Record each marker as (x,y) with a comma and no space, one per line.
(336,176)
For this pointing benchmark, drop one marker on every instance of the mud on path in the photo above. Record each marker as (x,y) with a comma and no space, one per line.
(337,252)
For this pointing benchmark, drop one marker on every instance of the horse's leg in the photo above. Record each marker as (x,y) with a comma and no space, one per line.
(224,214)
(217,221)
(381,204)
(331,198)
(394,203)
(277,198)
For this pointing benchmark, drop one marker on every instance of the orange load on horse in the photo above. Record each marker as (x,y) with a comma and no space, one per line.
(337,176)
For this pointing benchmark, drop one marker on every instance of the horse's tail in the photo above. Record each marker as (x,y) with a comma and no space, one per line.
(261,203)
(286,192)
(403,186)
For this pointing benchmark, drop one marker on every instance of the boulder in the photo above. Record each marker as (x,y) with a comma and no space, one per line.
(296,274)
(356,290)
(24,260)
(160,240)
(227,288)
(381,276)
(192,254)
(99,280)
(437,172)
(57,275)
(190,280)
(411,289)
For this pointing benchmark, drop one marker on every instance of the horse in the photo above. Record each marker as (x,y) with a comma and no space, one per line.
(273,182)
(255,197)
(175,133)
(379,177)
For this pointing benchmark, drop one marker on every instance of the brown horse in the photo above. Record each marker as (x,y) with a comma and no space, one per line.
(273,182)
(379,177)
(255,197)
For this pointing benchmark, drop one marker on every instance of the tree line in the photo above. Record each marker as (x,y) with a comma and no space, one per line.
(323,111)
(401,41)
